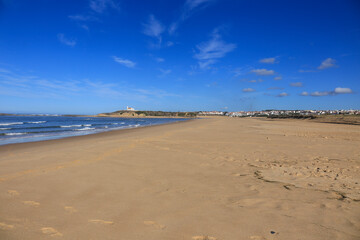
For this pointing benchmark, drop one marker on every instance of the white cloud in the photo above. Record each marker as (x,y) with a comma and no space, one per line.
(340,90)
(278,78)
(65,40)
(263,72)
(320,94)
(153,28)
(296,84)
(99,6)
(304,94)
(125,62)
(336,91)
(268,60)
(248,90)
(283,94)
(213,49)
(188,9)
(327,63)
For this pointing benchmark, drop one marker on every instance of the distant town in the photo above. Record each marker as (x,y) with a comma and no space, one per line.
(269,113)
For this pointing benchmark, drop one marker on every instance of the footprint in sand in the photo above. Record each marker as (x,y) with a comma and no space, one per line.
(4,226)
(13,193)
(229,159)
(154,224)
(203,238)
(31,203)
(70,209)
(239,174)
(51,232)
(99,221)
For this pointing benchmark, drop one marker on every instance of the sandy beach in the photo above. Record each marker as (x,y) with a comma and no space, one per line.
(213,178)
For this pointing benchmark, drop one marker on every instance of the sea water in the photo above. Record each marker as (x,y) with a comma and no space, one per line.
(18,129)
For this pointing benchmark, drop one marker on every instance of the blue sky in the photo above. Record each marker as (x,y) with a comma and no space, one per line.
(92,56)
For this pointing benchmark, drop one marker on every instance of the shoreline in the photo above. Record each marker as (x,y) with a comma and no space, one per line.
(98,134)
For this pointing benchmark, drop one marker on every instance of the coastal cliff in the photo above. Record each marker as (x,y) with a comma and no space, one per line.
(141,114)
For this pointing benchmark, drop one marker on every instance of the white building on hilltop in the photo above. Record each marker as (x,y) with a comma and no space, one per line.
(130,109)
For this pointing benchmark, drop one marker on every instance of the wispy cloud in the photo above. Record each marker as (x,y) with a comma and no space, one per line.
(164,72)
(336,91)
(154,28)
(278,78)
(125,62)
(212,84)
(66,41)
(275,88)
(268,60)
(240,71)
(2,70)
(283,94)
(82,18)
(159,59)
(210,51)
(254,81)
(189,8)
(296,84)
(97,8)
(156,93)
(306,71)
(248,90)
(263,72)
(100,6)
(28,86)
(327,63)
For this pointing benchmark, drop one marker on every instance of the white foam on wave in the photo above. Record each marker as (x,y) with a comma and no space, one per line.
(87,125)
(14,134)
(5,128)
(37,122)
(68,126)
(13,123)
(118,123)
(84,129)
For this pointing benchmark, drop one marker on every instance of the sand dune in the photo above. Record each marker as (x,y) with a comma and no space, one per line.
(213,178)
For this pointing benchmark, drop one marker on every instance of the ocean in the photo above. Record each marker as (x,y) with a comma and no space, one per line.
(19,129)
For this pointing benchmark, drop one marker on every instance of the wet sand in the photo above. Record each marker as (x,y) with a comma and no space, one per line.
(214,178)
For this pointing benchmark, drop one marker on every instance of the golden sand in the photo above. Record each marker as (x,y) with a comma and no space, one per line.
(214,178)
